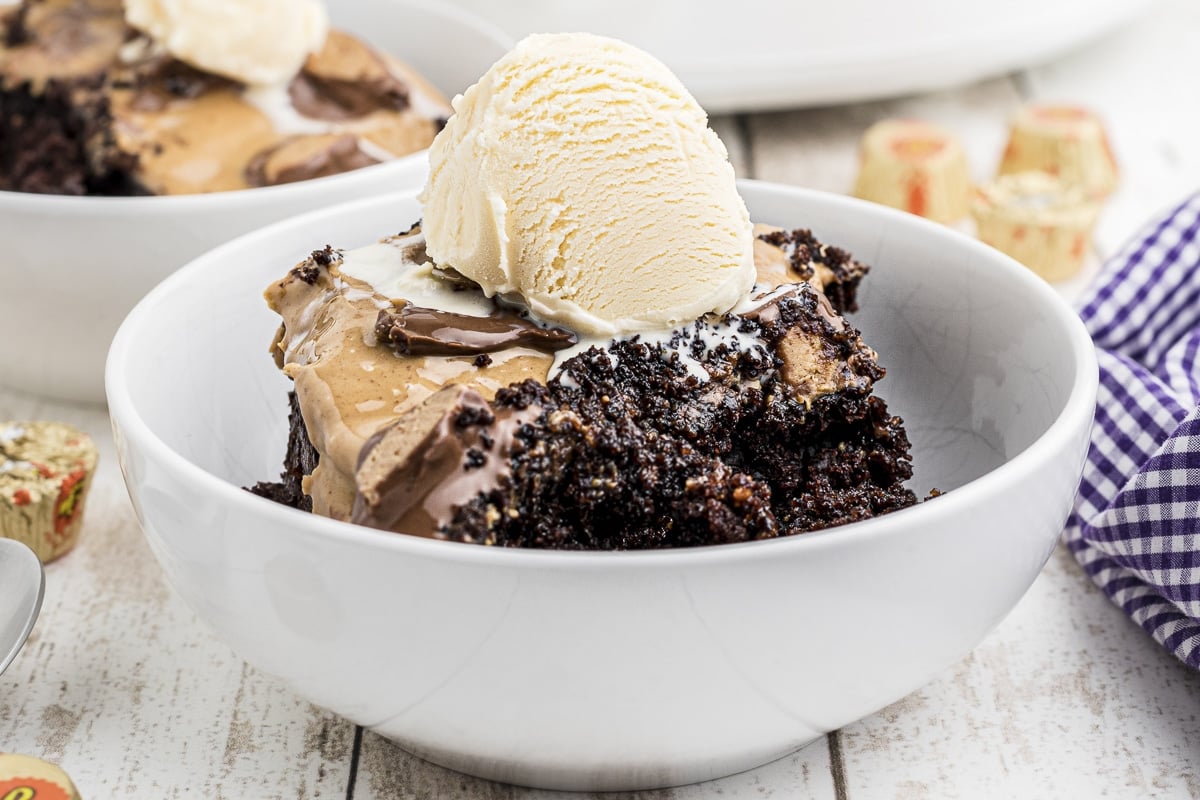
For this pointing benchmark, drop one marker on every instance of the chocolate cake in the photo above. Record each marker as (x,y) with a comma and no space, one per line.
(758,424)
(300,460)
(90,106)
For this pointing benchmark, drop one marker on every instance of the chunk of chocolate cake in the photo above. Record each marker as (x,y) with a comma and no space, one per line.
(758,424)
(629,447)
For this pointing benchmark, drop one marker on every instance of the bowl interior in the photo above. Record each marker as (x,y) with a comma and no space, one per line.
(981,356)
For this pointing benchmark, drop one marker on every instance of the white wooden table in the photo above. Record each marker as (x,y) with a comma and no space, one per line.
(123,687)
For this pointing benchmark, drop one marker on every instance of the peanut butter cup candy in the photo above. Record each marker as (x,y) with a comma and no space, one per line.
(1066,141)
(1038,219)
(914,166)
(46,471)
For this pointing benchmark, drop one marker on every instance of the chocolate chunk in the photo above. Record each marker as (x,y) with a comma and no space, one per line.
(159,80)
(345,81)
(416,331)
(302,158)
(413,474)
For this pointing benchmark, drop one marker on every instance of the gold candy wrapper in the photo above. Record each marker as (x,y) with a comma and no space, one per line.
(46,470)
(914,166)
(1038,219)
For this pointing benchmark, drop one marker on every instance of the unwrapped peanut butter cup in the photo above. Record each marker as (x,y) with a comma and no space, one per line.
(914,166)
(1040,220)
(1066,141)
(46,470)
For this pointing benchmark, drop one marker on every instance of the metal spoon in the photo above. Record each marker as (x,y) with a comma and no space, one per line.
(22,583)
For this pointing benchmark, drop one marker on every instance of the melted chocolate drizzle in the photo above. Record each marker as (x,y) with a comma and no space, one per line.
(327,98)
(337,155)
(417,331)
(464,452)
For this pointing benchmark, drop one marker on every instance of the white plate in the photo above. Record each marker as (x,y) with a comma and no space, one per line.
(757,54)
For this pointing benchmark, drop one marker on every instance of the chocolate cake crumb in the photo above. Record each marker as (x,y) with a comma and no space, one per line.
(804,250)
(482,360)
(309,271)
(301,460)
(472,417)
(59,140)
(327,256)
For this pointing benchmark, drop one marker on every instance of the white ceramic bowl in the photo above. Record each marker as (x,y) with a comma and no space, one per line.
(73,267)
(616,670)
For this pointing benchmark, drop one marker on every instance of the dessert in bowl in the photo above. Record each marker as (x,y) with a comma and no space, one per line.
(627,669)
(740,619)
(585,343)
(354,121)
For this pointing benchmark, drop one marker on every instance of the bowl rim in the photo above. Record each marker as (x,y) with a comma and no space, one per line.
(233,199)
(1077,412)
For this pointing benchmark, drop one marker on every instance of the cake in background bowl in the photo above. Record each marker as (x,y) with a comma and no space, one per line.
(127,97)
(90,258)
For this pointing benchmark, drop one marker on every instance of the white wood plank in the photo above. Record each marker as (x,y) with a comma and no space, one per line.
(1067,698)
(385,772)
(122,686)
(1142,80)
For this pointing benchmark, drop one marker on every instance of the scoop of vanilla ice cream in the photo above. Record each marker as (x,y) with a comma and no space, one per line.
(257,42)
(580,174)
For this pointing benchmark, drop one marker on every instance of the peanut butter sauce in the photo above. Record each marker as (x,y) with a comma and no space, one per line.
(349,386)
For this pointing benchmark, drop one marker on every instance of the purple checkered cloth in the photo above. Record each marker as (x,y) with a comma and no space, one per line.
(1136,524)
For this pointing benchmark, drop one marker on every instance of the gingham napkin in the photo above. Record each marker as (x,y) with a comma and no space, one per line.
(1136,525)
